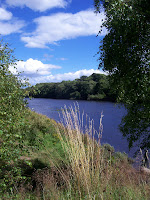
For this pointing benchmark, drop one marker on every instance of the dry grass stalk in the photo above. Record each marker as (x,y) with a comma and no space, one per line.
(85,154)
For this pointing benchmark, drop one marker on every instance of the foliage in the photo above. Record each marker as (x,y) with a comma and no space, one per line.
(94,87)
(124,53)
(53,171)
(104,174)
(12,122)
(92,171)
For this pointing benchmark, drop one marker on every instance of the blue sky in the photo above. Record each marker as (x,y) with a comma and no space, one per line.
(54,39)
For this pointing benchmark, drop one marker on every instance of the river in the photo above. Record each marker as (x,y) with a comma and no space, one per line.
(111,119)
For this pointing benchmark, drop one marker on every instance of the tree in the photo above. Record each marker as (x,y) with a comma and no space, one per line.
(12,120)
(124,53)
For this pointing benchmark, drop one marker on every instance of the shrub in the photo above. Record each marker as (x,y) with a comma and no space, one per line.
(12,120)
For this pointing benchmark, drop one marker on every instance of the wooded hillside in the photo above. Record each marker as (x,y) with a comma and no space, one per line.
(94,87)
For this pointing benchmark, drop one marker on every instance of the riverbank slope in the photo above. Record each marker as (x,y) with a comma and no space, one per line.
(62,163)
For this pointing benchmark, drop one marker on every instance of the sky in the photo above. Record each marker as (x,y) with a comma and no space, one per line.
(54,40)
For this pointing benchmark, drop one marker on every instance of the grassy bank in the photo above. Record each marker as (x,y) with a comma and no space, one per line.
(62,163)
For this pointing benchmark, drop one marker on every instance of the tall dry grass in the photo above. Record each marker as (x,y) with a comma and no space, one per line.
(94,172)
(86,156)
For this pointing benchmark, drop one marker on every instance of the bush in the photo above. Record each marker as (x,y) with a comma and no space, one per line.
(12,120)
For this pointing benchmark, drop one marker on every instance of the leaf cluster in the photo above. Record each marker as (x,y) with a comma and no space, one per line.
(124,53)
(12,120)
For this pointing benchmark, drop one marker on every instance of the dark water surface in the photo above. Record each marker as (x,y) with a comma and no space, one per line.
(111,120)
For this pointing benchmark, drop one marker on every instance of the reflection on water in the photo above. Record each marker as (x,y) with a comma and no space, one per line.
(112,117)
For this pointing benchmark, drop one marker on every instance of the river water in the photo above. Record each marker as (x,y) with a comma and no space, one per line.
(111,119)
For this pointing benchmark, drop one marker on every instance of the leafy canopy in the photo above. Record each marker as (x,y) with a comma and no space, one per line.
(124,53)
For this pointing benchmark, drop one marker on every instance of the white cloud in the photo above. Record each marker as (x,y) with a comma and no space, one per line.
(38,72)
(5,15)
(62,26)
(11,27)
(8,24)
(39,5)
(74,75)
(66,76)
(33,68)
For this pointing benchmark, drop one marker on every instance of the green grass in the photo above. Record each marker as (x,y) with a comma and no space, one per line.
(43,140)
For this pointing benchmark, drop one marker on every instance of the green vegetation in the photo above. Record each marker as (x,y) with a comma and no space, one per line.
(124,53)
(63,163)
(42,150)
(21,131)
(12,121)
(41,159)
(94,87)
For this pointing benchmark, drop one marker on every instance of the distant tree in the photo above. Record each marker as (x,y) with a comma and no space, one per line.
(102,85)
(75,95)
(70,87)
(60,90)
(97,77)
(85,88)
(124,53)
(83,78)
(81,88)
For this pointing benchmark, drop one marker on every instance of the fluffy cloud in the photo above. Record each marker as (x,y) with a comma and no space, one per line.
(5,15)
(65,76)
(11,27)
(73,75)
(33,68)
(39,5)
(8,24)
(37,72)
(61,26)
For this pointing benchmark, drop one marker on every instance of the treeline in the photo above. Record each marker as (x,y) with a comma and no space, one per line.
(94,87)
